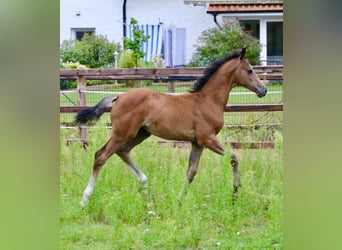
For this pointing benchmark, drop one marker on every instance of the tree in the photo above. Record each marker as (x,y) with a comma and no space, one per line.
(135,43)
(92,51)
(216,43)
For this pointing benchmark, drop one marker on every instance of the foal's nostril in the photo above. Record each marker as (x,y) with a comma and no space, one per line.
(261,92)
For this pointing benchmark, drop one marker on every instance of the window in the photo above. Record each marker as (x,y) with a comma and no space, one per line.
(252,27)
(275,42)
(78,33)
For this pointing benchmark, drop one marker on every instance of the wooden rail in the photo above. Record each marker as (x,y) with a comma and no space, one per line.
(229,108)
(189,73)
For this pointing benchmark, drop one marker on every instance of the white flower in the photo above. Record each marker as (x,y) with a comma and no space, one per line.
(151,212)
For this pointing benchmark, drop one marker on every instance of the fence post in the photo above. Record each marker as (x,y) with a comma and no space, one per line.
(171,86)
(82,101)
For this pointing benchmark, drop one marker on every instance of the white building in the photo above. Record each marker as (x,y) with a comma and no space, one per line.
(182,21)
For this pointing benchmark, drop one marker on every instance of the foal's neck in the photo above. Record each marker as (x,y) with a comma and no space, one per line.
(218,87)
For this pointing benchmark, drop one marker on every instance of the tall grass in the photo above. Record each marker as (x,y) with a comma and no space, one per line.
(118,216)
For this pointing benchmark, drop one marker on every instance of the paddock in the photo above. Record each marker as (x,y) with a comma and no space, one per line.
(121,217)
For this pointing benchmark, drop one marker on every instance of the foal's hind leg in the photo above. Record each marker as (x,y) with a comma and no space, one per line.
(123,153)
(195,155)
(101,156)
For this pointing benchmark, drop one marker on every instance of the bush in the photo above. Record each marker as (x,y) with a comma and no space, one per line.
(216,43)
(72,65)
(92,51)
(126,60)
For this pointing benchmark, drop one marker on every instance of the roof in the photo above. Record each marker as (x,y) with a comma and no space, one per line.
(232,1)
(204,2)
(244,8)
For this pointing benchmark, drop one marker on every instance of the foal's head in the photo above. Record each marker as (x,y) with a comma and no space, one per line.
(245,76)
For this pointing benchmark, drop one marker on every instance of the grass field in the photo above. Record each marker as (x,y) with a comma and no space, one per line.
(118,216)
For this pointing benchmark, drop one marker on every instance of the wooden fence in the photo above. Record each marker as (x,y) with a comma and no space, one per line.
(170,75)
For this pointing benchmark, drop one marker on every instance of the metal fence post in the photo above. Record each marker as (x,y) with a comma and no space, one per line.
(82,101)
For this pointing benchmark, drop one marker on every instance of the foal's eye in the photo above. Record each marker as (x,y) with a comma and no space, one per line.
(250,71)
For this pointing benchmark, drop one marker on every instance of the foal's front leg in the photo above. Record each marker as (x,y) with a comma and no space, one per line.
(236,175)
(212,143)
(195,155)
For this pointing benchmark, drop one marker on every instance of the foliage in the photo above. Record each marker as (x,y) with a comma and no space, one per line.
(158,61)
(92,51)
(72,65)
(126,60)
(67,84)
(134,44)
(216,43)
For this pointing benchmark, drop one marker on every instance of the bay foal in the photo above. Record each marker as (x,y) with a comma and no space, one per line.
(196,117)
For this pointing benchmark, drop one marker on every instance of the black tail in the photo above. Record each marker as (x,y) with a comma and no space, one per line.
(94,113)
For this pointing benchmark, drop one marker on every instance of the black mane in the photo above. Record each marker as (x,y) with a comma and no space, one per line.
(210,71)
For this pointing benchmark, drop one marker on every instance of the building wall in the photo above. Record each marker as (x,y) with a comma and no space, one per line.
(106,17)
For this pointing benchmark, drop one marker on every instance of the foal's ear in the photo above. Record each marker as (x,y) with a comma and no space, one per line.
(242,53)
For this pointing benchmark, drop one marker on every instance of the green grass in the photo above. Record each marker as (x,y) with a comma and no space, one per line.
(118,216)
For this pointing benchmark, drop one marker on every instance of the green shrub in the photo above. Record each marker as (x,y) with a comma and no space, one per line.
(67,84)
(126,60)
(216,43)
(72,65)
(92,51)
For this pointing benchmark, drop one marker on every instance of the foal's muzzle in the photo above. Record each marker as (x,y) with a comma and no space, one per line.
(260,91)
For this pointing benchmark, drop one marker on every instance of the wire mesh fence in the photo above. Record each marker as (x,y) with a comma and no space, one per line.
(239,95)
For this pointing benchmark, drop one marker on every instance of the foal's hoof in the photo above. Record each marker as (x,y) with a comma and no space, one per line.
(83,204)
(144,191)
(143,188)
(144,184)
(235,194)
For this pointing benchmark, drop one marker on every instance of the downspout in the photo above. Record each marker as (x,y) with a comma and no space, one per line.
(124,18)
(215,19)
